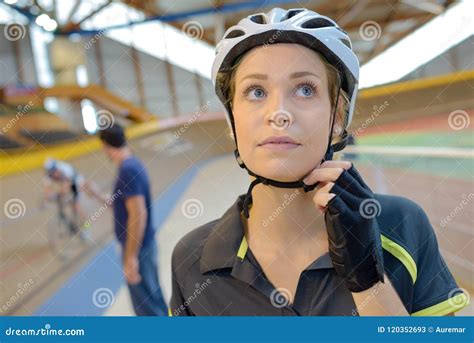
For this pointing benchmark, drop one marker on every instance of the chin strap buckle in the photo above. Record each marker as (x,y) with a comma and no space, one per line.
(308,188)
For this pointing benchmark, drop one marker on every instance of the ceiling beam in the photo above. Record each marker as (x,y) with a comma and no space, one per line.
(94,12)
(73,11)
(379,43)
(352,13)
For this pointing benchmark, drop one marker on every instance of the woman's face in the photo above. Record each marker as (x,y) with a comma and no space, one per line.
(281,110)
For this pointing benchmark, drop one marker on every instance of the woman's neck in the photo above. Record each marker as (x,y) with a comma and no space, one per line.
(281,217)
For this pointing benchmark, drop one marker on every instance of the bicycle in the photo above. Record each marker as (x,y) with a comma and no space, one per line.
(68,227)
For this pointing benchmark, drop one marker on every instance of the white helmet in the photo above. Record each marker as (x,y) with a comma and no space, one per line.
(50,165)
(299,26)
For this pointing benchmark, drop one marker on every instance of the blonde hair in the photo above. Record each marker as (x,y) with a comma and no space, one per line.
(226,79)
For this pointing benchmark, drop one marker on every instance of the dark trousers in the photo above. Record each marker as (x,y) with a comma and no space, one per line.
(147,298)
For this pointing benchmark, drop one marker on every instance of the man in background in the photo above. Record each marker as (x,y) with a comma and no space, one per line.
(133,224)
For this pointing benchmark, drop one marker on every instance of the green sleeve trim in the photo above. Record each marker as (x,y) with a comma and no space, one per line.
(448,306)
(243,248)
(170,314)
(401,254)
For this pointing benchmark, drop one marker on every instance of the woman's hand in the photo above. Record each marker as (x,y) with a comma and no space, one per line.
(355,246)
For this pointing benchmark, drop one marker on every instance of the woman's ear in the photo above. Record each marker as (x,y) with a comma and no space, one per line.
(340,118)
(338,126)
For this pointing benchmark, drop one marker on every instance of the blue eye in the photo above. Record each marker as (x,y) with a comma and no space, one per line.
(305,90)
(254,93)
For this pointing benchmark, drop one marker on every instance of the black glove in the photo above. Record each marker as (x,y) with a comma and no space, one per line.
(355,246)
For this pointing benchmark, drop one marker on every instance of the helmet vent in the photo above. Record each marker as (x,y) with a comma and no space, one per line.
(234,34)
(292,13)
(317,23)
(259,18)
(346,43)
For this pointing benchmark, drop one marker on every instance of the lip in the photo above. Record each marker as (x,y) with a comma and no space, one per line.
(279,143)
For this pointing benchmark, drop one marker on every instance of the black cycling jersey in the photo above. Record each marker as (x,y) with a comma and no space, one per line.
(214,272)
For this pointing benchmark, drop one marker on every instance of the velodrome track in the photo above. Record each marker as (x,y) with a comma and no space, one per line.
(177,168)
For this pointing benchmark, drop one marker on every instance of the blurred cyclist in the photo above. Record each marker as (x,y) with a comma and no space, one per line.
(62,180)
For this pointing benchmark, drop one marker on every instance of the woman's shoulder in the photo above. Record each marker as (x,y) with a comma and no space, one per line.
(403,222)
(397,213)
(220,233)
(396,204)
(189,247)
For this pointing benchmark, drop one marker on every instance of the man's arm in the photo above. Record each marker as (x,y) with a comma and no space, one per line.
(92,190)
(379,300)
(137,217)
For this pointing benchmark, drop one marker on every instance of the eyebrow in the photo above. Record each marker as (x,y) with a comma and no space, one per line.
(303,73)
(292,76)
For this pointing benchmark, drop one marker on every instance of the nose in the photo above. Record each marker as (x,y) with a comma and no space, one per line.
(277,114)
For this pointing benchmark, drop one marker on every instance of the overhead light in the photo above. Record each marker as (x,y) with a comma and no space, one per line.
(50,25)
(42,19)
(11,2)
(46,22)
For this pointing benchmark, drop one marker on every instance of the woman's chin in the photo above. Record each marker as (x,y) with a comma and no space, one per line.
(281,167)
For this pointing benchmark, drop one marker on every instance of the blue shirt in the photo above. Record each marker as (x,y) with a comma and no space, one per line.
(132,180)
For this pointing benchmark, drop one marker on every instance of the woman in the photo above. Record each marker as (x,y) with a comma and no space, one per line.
(310,237)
